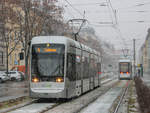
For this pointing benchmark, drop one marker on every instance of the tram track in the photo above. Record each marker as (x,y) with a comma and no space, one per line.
(121,99)
(49,106)
(107,102)
(17,106)
(106,81)
(76,105)
(117,104)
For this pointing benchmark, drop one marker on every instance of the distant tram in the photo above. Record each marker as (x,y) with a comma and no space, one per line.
(125,69)
(62,68)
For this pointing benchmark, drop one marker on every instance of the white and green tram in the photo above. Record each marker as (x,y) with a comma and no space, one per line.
(62,68)
(125,69)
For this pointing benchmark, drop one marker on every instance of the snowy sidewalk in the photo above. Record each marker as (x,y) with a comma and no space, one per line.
(13,90)
(7,98)
(146,79)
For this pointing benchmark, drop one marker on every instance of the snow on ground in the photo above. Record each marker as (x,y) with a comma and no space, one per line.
(146,79)
(7,98)
(77,104)
(34,108)
(130,103)
(12,90)
(104,102)
(68,107)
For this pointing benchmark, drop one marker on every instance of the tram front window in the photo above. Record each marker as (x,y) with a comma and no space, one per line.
(124,67)
(47,62)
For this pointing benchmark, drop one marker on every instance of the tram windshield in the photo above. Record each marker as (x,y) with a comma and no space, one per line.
(124,67)
(47,60)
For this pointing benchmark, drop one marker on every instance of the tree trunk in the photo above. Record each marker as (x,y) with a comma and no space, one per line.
(7,67)
(26,66)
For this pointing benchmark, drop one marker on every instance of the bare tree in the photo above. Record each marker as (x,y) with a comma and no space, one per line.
(30,18)
(34,19)
(7,29)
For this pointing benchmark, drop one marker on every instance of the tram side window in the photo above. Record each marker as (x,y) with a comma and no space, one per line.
(85,67)
(94,66)
(91,67)
(71,66)
(78,64)
(99,67)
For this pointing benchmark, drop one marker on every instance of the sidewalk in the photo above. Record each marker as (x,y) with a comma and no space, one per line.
(7,98)
(146,79)
(13,90)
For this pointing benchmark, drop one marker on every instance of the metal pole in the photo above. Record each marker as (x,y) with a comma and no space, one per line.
(134,56)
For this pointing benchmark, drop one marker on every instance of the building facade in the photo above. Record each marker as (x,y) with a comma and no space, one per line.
(144,54)
(2,50)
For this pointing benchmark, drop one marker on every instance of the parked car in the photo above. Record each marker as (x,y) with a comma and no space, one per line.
(22,75)
(14,75)
(3,76)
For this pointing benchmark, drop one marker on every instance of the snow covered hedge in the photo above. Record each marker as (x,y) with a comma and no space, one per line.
(143,93)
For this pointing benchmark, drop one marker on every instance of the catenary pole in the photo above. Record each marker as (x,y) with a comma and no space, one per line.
(134,58)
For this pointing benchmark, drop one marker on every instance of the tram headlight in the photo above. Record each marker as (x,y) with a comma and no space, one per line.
(59,79)
(121,72)
(35,79)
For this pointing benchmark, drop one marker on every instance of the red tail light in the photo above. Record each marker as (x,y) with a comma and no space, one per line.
(127,72)
(99,72)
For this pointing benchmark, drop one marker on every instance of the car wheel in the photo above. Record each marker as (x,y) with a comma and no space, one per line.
(19,79)
(13,79)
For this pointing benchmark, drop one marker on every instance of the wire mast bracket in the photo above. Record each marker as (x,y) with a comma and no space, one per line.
(76,26)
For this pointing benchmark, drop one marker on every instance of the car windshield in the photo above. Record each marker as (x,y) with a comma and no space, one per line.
(10,72)
(47,61)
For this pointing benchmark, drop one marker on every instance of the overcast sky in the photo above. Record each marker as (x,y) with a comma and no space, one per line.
(133,18)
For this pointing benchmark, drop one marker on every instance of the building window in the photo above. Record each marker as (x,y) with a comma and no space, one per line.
(10,60)
(1,58)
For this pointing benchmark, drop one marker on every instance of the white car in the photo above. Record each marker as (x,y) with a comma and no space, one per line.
(3,76)
(22,75)
(14,75)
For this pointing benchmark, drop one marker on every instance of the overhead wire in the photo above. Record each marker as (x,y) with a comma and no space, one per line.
(115,24)
(70,12)
(133,6)
(74,8)
(133,22)
(86,4)
(112,14)
(113,11)
(110,9)
(135,11)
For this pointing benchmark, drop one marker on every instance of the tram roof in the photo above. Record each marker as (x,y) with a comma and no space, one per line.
(125,60)
(49,39)
(61,40)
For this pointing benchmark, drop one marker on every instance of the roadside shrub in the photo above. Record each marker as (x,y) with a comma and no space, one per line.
(143,95)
